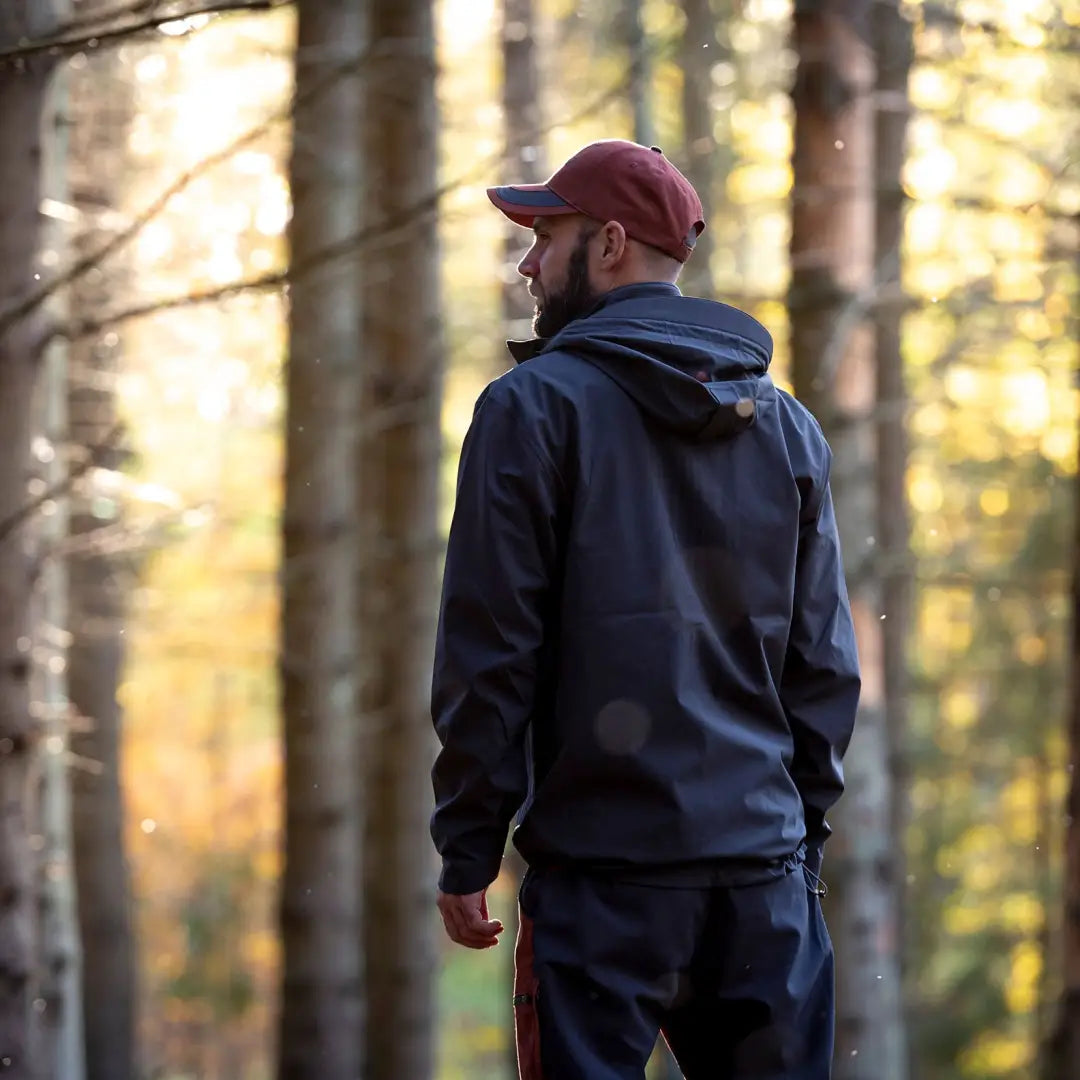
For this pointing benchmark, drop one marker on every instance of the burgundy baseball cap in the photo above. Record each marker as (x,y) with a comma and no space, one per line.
(615,180)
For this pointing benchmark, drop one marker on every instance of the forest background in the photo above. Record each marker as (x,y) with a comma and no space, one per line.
(155,481)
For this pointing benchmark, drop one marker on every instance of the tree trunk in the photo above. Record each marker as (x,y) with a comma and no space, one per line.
(699,54)
(833,372)
(640,72)
(893,54)
(59,958)
(1062,1054)
(322,1000)
(98,580)
(400,462)
(525,160)
(526,163)
(24,99)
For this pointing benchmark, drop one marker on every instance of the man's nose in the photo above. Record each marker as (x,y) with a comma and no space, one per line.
(527,267)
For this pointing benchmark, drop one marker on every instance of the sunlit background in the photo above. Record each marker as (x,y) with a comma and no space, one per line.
(990,267)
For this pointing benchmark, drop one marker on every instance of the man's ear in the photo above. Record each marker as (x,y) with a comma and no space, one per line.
(613,245)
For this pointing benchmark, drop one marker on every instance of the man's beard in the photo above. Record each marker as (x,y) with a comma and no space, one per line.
(576,299)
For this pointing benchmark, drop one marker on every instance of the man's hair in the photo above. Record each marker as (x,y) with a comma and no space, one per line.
(662,262)
(655,259)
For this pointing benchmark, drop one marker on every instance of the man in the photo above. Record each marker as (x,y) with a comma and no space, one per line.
(644,649)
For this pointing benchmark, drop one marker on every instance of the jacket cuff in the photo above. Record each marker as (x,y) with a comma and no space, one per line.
(461,879)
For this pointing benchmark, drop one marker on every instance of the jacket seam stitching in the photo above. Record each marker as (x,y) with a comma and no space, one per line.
(528,440)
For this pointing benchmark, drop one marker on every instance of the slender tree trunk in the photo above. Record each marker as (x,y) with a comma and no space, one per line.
(640,72)
(893,54)
(400,459)
(1043,877)
(24,99)
(60,961)
(699,51)
(832,256)
(699,54)
(322,999)
(98,580)
(1062,1054)
(526,162)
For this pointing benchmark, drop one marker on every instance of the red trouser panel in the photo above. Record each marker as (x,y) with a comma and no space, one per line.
(526,984)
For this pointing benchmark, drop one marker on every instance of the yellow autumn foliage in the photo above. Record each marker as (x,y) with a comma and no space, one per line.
(202,391)
(996,1054)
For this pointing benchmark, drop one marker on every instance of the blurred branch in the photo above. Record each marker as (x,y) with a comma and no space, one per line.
(88,327)
(1060,38)
(66,42)
(21,308)
(106,15)
(936,571)
(115,538)
(344,248)
(97,454)
(862,303)
(936,14)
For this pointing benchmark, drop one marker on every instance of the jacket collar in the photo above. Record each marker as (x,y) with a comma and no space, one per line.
(646,290)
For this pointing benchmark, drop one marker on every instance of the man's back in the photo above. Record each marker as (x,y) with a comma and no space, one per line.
(667,603)
(645,646)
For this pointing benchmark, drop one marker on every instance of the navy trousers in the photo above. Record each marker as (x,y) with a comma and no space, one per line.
(739,981)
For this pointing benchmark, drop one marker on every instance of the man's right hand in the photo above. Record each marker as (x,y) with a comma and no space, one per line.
(466,920)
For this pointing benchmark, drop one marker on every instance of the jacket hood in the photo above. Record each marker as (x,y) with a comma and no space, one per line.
(694,366)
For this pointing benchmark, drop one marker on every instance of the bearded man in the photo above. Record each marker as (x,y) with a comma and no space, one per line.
(645,652)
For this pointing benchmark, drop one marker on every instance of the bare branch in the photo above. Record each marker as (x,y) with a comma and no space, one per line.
(89,327)
(937,14)
(94,458)
(65,43)
(106,15)
(21,308)
(345,248)
(91,260)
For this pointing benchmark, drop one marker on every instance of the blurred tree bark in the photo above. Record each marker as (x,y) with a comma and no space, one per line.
(640,72)
(1061,1055)
(893,47)
(24,105)
(833,370)
(525,160)
(321,1009)
(699,54)
(58,962)
(98,580)
(526,163)
(400,457)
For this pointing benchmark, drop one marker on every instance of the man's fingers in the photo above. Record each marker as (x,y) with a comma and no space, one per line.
(487,927)
(473,930)
(476,920)
(454,921)
(466,934)
(464,918)
(460,932)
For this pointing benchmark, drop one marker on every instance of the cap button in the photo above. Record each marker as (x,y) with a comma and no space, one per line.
(656,149)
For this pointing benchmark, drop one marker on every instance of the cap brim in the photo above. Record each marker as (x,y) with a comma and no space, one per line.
(523,203)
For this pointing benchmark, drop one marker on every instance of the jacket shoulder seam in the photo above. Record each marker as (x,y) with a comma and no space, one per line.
(508,406)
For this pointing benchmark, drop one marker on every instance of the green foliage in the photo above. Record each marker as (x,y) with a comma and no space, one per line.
(213,917)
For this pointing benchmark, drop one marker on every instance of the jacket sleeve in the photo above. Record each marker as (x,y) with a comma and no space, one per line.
(500,563)
(820,685)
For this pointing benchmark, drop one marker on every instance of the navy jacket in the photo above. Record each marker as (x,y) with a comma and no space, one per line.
(645,644)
